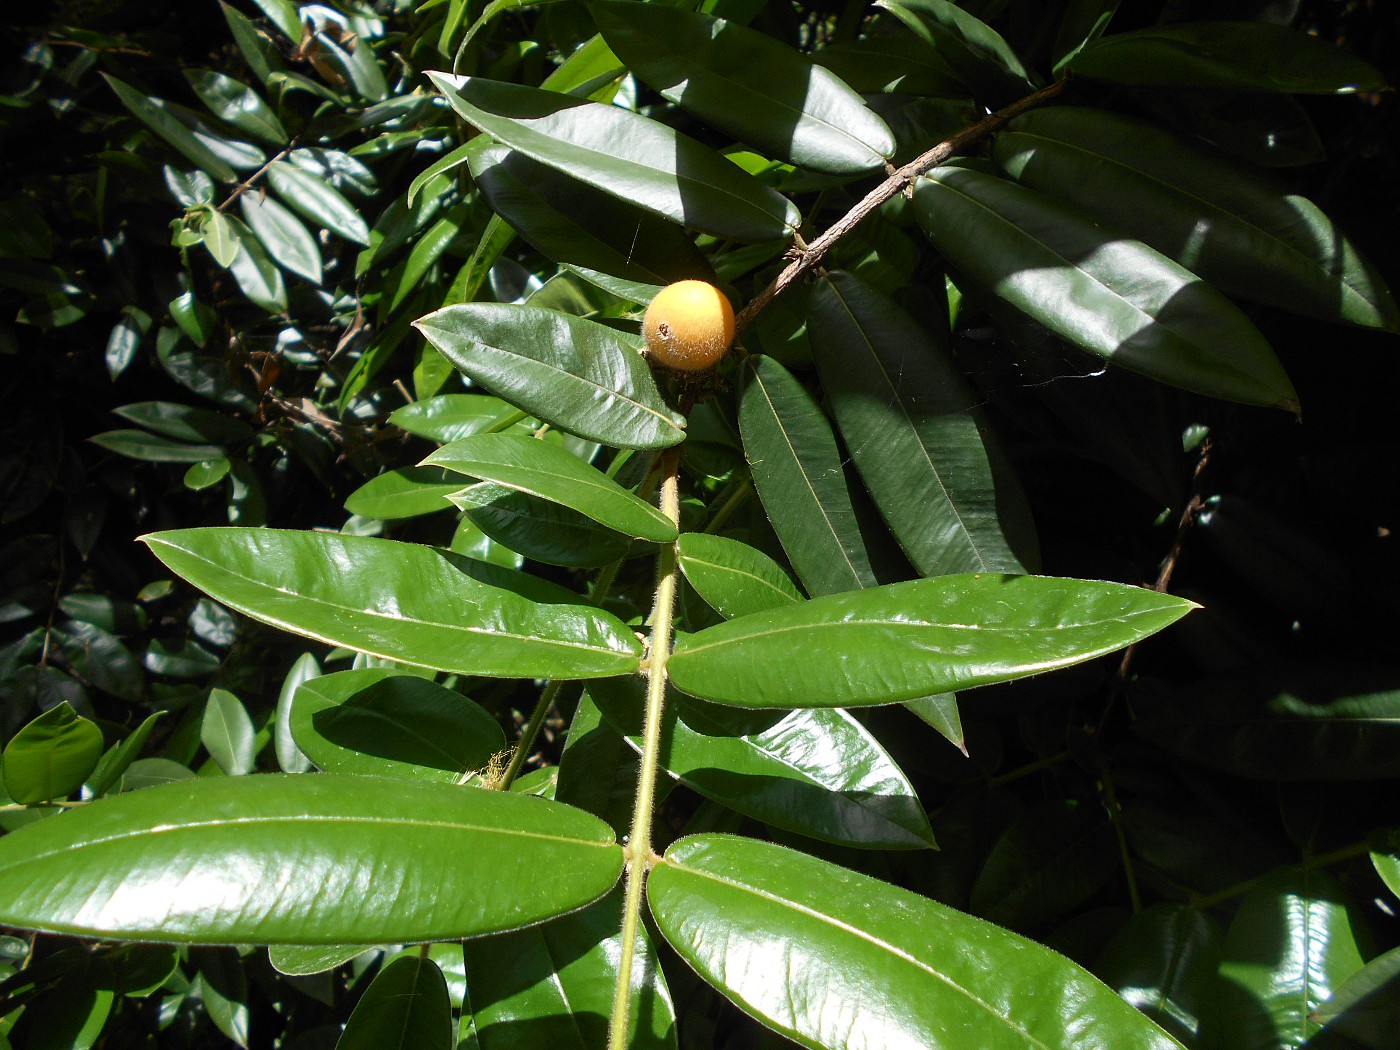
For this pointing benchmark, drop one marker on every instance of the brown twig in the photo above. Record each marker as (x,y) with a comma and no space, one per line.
(252,179)
(808,256)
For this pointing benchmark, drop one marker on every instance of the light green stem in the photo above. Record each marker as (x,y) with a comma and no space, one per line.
(638,851)
(527,736)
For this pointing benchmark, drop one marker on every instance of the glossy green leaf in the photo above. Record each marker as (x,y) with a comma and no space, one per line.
(404,493)
(138,444)
(903,641)
(227,733)
(313,859)
(975,51)
(116,761)
(1050,860)
(219,236)
(405,1008)
(893,63)
(1291,944)
(572,222)
(317,200)
(283,235)
(816,772)
(1164,962)
(186,422)
(796,469)
(1245,234)
(578,375)
(300,960)
(835,960)
(235,102)
(941,712)
(221,985)
(749,85)
(256,47)
(1367,1005)
(539,529)
(374,722)
(552,985)
(256,274)
(283,14)
(923,448)
(70,1016)
(155,114)
(550,472)
(1111,296)
(51,756)
(290,758)
(734,578)
(625,154)
(448,417)
(1084,22)
(1236,56)
(397,600)
(1318,721)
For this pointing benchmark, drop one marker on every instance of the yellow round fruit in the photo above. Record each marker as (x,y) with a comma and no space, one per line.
(688,326)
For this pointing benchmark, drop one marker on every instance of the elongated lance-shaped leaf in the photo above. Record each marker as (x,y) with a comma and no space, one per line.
(1292,943)
(627,155)
(908,640)
(573,222)
(555,981)
(839,961)
(1234,56)
(734,578)
(406,1007)
(308,859)
(373,722)
(155,113)
(975,51)
(318,201)
(555,474)
(816,772)
(749,85)
(926,454)
(797,471)
(397,600)
(1164,962)
(1242,232)
(1107,294)
(538,529)
(575,374)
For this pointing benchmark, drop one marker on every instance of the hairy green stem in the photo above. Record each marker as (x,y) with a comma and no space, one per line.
(638,849)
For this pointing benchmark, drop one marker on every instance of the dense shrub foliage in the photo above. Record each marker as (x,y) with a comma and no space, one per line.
(996,649)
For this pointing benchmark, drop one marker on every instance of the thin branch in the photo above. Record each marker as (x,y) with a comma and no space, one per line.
(807,256)
(252,179)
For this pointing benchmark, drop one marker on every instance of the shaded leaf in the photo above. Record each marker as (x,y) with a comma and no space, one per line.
(924,450)
(374,722)
(552,985)
(405,1008)
(1241,56)
(155,114)
(1367,1005)
(1163,962)
(1306,721)
(1246,235)
(1114,297)
(539,529)
(573,222)
(355,591)
(749,85)
(320,859)
(796,469)
(837,960)
(975,51)
(903,641)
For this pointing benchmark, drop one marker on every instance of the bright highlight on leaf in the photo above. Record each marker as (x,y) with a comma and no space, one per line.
(309,859)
